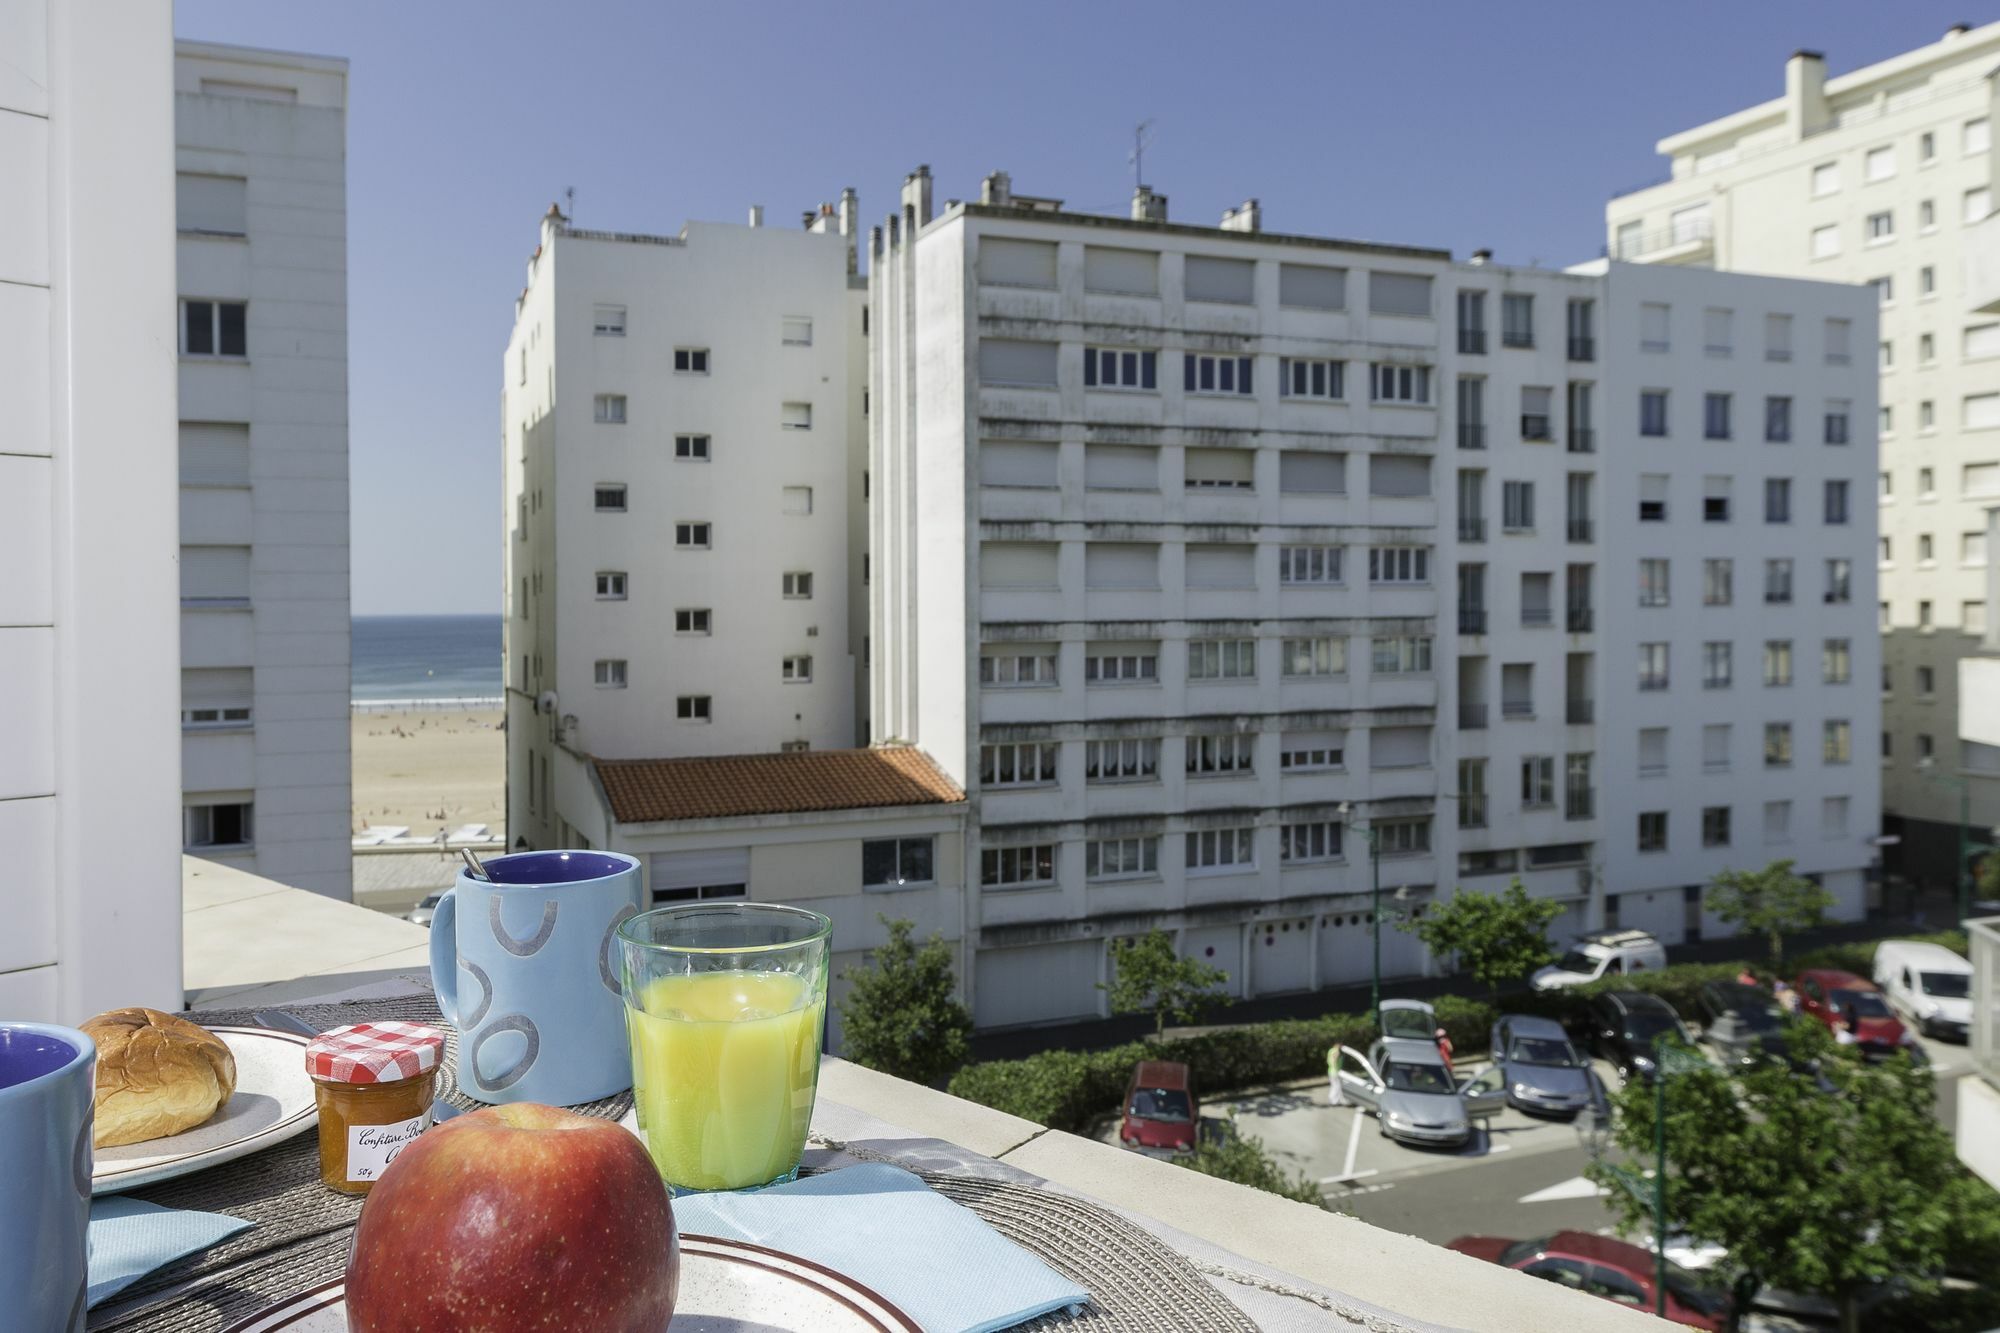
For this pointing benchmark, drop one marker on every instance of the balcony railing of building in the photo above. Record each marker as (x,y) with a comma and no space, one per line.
(1582,440)
(1582,530)
(1581,712)
(1472,435)
(1579,803)
(1582,349)
(1516,338)
(1517,708)
(1652,770)
(1690,233)
(1536,426)
(1537,617)
(1471,717)
(1579,620)
(1472,342)
(1472,809)
(1472,528)
(1471,620)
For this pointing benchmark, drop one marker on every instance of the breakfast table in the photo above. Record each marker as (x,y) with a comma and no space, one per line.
(1143,1277)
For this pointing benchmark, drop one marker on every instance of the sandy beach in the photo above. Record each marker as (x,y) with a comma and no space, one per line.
(429,768)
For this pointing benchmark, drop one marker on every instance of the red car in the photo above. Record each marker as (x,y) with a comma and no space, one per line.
(1855,1012)
(1160,1114)
(1611,1269)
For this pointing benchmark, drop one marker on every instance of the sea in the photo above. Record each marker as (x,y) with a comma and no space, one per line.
(405,660)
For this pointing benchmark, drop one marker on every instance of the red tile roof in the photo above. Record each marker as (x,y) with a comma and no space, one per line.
(645,791)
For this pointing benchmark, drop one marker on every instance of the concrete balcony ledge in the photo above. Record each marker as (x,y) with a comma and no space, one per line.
(1287,1266)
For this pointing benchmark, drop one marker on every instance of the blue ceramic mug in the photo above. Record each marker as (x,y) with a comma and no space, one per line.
(48,1076)
(524,966)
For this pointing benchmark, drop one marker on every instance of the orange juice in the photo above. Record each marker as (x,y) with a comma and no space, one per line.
(724,1067)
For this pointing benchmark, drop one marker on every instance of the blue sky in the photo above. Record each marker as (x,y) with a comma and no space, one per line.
(1459,125)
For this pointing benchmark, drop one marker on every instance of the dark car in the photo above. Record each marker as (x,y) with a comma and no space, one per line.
(1743,1023)
(1624,1024)
(1160,1112)
(1610,1269)
(1855,1012)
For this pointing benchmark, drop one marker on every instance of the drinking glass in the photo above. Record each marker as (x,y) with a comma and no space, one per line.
(725,1003)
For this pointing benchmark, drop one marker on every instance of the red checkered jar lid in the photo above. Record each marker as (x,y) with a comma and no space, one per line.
(374,1052)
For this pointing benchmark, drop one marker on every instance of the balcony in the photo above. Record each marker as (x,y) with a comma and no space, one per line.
(1582,349)
(1580,712)
(1517,338)
(1536,426)
(1579,619)
(1684,243)
(1472,435)
(1580,803)
(1582,530)
(1472,342)
(1471,620)
(1517,708)
(1537,617)
(1472,529)
(1582,440)
(1982,266)
(1472,717)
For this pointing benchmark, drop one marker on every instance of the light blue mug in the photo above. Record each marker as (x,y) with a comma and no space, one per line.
(48,1078)
(524,966)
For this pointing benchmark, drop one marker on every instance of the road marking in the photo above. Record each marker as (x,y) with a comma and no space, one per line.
(1344,1179)
(1577,1187)
(1353,1145)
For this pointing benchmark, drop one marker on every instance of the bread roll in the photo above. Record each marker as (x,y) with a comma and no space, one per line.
(157,1074)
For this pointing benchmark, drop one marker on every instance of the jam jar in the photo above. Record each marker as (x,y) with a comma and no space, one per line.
(375,1083)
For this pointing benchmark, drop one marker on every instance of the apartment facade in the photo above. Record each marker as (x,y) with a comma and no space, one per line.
(1884,177)
(1205,557)
(89,639)
(678,480)
(261,168)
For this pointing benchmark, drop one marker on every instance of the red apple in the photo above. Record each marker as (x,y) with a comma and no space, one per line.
(516,1217)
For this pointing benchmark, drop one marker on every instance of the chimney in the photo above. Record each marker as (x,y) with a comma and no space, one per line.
(1956,31)
(1250,217)
(1481,258)
(917,198)
(756,215)
(1805,93)
(1147,206)
(850,227)
(997,190)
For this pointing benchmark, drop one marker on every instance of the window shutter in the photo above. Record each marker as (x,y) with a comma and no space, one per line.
(216,687)
(1121,272)
(1011,361)
(1398,475)
(1226,281)
(1303,472)
(1220,467)
(1121,565)
(1013,263)
(215,573)
(1018,463)
(1399,294)
(211,203)
(1311,287)
(1017,565)
(696,870)
(1982,340)
(1982,411)
(1399,747)
(214,454)
(1220,566)
(1121,467)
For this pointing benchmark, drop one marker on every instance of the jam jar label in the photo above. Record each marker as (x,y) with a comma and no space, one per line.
(370,1148)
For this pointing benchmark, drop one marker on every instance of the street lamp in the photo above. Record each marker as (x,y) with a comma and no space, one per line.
(1928,766)
(1374,911)
(1668,1060)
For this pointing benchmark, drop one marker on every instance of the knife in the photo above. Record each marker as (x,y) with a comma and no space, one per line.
(279,1021)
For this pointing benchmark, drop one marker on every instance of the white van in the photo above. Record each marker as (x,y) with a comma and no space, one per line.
(1928,983)
(1607,953)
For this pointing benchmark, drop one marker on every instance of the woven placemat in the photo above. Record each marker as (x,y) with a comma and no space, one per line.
(301,1230)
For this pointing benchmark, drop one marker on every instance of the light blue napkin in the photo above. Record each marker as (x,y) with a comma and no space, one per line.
(886,1229)
(129,1239)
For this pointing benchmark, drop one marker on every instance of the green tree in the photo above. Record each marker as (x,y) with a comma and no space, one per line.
(1986,878)
(1242,1159)
(1150,977)
(1772,902)
(1497,937)
(1826,1191)
(901,1013)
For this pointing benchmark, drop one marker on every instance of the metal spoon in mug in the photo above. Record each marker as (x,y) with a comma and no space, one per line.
(279,1021)
(473,864)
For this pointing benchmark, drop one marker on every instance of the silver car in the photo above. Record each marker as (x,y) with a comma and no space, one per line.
(1543,1073)
(421,914)
(1413,1093)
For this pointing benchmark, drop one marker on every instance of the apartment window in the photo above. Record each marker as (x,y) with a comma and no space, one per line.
(1927,215)
(1537,404)
(1300,472)
(1582,317)
(214,328)
(1652,830)
(1302,377)
(1205,373)
(1833,816)
(1972,617)
(610,586)
(1517,320)
(1926,146)
(897,862)
(609,409)
(1825,179)
(1030,765)
(1402,837)
(1121,858)
(1836,505)
(795,416)
(608,321)
(1882,549)
(1017,669)
(1538,782)
(1400,384)
(1837,742)
(1400,654)
(1926,484)
(1926,682)
(1653,327)
(1777,745)
(797,585)
(1472,793)
(1777,420)
(1926,286)
(1222,659)
(1885,290)
(609,673)
(1652,666)
(1399,294)
(1715,826)
(1132,759)
(1777,822)
(1924,615)
(691,536)
(1582,435)
(795,331)
(1315,840)
(1778,662)
(1311,752)
(1715,499)
(1839,582)
(1517,506)
(1880,227)
(1718,579)
(1578,798)
(1653,498)
(1976,205)
(1221,756)
(1471,322)
(1576,500)
(1836,420)
(694,448)
(693,708)
(610,499)
(1836,662)
(1839,340)
(1017,867)
(1119,368)
(1777,499)
(1885,486)
(1399,564)
(1825,242)
(1777,337)
(797,670)
(1326,656)
(1715,416)
(1926,746)
(1298,565)
(1219,470)
(230,824)
(691,360)
(1537,599)
(1303,286)
(1653,582)
(1972,548)
(1222,849)
(1715,748)
(796,500)
(692,620)
(1976,135)
(1653,412)
(1717,664)
(1106,664)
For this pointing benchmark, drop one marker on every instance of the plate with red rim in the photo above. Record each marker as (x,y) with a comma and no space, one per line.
(727,1286)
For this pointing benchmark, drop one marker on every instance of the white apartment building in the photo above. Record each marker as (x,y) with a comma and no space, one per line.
(678,414)
(89,644)
(1882,176)
(261,180)
(1199,551)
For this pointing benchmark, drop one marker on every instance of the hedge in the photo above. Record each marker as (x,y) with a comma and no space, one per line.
(1071,1089)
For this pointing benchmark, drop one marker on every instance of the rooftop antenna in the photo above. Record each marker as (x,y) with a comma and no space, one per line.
(569,201)
(1142,135)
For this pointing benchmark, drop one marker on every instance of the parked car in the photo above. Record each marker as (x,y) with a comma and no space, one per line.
(1928,984)
(1414,1095)
(1606,953)
(1856,1013)
(422,913)
(1541,1071)
(1611,1269)
(1161,1114)
(1624,1024)
(1412,1020)
(1742,1023)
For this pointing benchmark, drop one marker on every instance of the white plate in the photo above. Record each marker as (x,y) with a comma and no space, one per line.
(727,1286)
(273,1101)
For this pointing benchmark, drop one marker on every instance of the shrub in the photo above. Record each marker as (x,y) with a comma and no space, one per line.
(1242,1159)
(1859,957)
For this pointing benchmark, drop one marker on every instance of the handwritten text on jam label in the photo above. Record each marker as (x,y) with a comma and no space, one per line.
(370,1148)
